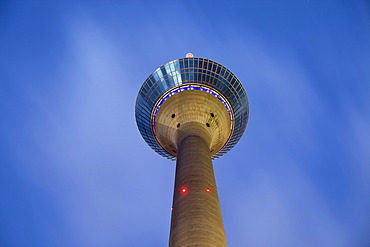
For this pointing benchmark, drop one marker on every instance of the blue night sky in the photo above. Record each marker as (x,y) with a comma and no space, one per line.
(74,170)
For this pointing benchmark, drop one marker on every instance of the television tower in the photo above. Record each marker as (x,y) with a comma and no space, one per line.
(193,110)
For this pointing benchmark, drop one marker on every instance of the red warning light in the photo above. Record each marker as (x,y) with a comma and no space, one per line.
(208,190)
(184,190)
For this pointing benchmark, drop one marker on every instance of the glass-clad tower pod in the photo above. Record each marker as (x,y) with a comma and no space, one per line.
(193,110)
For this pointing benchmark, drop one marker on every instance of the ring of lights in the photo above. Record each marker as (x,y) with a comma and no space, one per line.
(188,87)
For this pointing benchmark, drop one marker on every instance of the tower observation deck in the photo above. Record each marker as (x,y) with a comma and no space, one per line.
(193,110)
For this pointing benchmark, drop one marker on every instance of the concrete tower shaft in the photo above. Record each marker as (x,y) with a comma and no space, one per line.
(196,216)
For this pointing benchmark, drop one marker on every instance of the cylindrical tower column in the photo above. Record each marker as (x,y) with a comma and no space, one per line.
(196,215)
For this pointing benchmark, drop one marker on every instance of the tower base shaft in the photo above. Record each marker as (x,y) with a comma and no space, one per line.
(196,215)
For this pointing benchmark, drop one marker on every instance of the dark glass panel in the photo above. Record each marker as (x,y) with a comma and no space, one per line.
(147,86)
(171,81)
(166,84)
(200,63)
(205,64)
(214,67)
(144,90)
(226,75)
(195,62)
(238,87)
(218,69)
(198,77)
(152,80)
(232,82)
(163,70)
(213,80)
(148,83)
(191,64)
(155,94)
